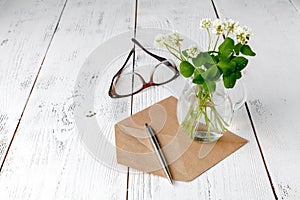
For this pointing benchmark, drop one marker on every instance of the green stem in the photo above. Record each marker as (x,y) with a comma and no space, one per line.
(180,53)
(216,43)
(168,48)
(206,110)
(209,39)
(228,33)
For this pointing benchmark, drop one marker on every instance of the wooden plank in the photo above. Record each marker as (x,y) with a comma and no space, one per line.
(272,82)
(26,31)
(236,176)
(47,159)
(296,5)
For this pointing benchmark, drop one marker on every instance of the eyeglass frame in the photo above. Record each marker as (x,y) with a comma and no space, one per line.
(112,91)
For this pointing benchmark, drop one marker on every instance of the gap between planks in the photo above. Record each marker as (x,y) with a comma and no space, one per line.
(33,85)
(294,6)
(131,98)
(131,106)
(261,152)
(253,127)
(252,123)
(246,107)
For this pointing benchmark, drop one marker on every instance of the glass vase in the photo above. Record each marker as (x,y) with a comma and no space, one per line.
(205,116)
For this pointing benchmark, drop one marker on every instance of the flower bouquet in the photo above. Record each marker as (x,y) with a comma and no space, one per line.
(220,65)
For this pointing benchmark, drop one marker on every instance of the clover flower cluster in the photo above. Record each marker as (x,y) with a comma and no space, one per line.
(172,40)
(219,27)
(192,51)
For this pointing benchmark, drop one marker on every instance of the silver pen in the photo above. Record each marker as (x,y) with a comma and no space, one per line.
(159,153)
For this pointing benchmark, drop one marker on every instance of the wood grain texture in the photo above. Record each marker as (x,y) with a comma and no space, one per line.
(273,86)
(47,159)
(241,175)
(26,31)
(296,5)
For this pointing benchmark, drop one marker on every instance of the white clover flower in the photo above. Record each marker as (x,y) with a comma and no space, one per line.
(206,23)
(192,51)
(247,31)
(231,25)
(219,26)
(243,34)
(160,40)
(173,40)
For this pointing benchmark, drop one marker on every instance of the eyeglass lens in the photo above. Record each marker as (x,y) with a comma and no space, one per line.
(129,83)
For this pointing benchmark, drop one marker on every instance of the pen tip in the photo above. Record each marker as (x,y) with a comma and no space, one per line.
(171,181)
(146,124)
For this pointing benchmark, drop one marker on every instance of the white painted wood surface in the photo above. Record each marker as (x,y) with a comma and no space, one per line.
(273,86)
(25,33)
(47,160)
(233,178)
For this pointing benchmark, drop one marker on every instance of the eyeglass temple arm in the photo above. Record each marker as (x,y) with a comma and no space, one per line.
(148,52)
(111,88)
(120,70)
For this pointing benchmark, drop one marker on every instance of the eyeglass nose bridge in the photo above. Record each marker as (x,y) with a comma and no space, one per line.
(149,84)
(145,84)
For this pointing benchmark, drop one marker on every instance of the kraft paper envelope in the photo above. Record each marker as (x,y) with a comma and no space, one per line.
(186,158)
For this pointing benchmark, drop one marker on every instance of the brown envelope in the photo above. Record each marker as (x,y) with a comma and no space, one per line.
(186,158)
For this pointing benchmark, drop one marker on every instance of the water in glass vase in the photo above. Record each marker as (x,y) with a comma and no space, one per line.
(202,115)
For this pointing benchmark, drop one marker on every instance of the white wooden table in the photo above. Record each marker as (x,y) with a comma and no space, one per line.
(43,45)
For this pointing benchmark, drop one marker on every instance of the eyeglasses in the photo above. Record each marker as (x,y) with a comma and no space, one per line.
(127,84)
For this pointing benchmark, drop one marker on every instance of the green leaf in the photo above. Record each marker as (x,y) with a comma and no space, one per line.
(185,53)
(212,74)
(227,67)
(209,86)
(198,79)
(226,46)
(198,71)
(186,69)
(246,50)
(199,60)
(224,57)
(241,62)
(211,61)
(238,75)
(215,59)
(237,48)
(202,58)
(229,80)
(208,65)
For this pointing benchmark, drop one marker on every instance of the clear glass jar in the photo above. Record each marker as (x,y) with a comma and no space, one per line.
(202,115)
